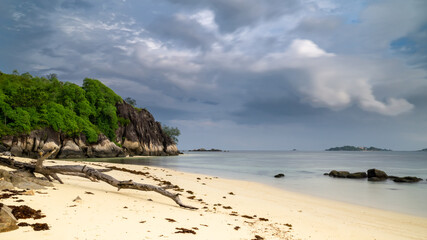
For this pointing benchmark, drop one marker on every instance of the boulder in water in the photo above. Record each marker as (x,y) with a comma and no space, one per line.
(375,173)
(407,179)
(339,174)
(280,175)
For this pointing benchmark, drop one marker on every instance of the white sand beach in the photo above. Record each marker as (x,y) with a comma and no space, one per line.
(228,209)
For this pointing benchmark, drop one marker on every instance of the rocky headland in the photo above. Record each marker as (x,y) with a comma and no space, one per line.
(139,134)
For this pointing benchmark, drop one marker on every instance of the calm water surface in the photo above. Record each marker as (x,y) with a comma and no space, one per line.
(304,174)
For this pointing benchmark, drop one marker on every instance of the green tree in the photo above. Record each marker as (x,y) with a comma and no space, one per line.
(28,103)
(131,101)
(172,132)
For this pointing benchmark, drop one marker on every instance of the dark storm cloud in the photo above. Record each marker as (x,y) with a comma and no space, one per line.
(76,4)
(276,111)
(233,14)
(182,31)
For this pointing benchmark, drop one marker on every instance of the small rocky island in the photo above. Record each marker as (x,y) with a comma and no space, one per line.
(206,150)
(353,148)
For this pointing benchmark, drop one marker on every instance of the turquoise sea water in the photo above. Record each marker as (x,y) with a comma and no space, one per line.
(304,174)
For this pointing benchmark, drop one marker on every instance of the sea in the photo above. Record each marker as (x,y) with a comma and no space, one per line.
(304,173)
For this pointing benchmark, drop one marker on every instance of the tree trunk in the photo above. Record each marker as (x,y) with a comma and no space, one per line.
(86,172)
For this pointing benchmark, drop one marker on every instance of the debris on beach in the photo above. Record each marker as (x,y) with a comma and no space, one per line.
(185,230)
(77,199)
(40,226)
(24,212)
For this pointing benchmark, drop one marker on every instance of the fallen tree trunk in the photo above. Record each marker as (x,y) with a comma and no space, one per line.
(87,172)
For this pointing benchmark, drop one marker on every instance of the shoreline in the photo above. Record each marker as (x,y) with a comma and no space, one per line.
(226,205)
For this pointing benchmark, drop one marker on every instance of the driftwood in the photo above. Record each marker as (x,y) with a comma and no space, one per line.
(87,172)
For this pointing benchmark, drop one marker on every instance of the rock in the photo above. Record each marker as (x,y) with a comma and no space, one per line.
(5,180)
(106,148)
(3,148)
(407,179)
(70,150)
(376,179)
(16,150)
(377,174)
(7,220)
(392,177)
(357,175)
(280,175)
(339,174)
(6,185)
(6,153)
(25,180)
(142,135)
(5,175)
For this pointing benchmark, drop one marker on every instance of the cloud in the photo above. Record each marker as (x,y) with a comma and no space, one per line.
(306,49)
(331,81)
(189,31)
(234,14)
(240,62)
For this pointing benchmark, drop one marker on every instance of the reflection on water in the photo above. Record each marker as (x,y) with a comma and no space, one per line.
(304,173)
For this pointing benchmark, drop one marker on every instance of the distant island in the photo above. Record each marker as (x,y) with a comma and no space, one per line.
(206,150)
(353,148)
(424,150)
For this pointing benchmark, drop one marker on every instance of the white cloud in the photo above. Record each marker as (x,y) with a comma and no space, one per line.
(206,18)
(306,49)
(331,81)
(337,84)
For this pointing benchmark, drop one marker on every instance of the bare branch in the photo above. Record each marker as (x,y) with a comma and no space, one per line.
(91,173)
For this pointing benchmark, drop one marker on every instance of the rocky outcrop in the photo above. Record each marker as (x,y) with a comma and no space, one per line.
(138,134)
(280,175)
(373,175)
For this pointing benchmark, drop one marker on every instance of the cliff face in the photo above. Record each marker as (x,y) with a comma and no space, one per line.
(140,134)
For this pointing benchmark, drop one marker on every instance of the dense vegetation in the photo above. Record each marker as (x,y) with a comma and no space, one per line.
(353,148)
(28,103)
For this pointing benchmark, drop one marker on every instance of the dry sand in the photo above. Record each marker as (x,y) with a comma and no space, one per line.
(251,210)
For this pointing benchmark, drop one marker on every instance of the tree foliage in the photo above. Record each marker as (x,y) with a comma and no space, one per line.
(28,103)
(131,101)
(172,132)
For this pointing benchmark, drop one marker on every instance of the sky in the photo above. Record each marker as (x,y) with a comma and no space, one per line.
(241,74)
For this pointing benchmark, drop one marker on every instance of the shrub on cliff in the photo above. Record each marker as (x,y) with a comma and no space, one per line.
(172,132)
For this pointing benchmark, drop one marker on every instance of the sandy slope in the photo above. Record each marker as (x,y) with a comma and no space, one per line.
(105,213)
